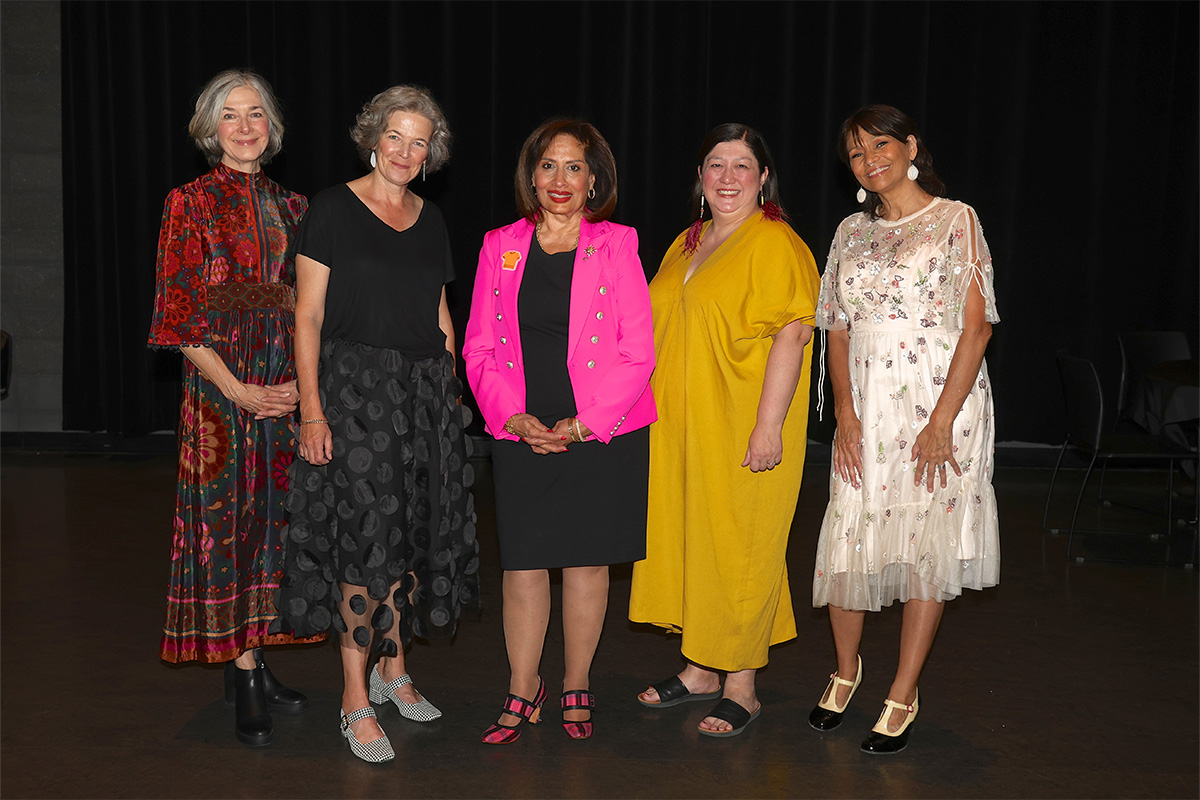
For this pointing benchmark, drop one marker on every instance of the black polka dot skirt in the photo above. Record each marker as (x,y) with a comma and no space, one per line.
(390,518)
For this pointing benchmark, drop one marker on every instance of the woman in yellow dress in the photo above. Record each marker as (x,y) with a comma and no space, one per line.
(734,303)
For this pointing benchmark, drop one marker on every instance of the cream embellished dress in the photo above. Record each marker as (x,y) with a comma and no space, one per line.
(900,288)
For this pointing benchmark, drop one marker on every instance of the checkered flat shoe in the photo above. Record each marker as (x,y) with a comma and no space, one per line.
(375,752)
(422,711)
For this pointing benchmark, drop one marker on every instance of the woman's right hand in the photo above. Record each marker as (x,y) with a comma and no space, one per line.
(532,432)
(315,443)
(848,450)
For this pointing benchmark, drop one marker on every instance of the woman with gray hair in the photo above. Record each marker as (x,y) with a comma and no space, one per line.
(225,298)
(380,542)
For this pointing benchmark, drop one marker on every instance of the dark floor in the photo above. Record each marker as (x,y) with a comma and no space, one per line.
(1068,680)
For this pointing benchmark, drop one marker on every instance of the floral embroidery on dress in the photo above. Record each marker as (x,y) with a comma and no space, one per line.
(900,290)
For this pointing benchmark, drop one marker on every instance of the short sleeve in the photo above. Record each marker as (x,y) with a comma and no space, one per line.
(783,281)
(970,262)
(315,238)
(830,314)
(180,315)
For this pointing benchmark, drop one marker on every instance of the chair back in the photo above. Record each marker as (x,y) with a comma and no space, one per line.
(1143,349)
(1085,403)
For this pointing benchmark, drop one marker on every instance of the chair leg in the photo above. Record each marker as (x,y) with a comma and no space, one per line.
(1103,472)
(1170,503)
(1050,491)
(1078,500)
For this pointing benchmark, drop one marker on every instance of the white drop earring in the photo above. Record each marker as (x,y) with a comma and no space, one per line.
(913,173)
(372,159)
(862,195)
(422,170)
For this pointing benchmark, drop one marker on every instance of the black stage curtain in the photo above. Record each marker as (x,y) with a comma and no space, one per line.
(1070,127)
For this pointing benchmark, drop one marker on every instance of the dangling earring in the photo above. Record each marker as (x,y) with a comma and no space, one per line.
(913,173)
(372,159)
(862,195)
(592,193)
(760,197)
(422,170)
(693,235)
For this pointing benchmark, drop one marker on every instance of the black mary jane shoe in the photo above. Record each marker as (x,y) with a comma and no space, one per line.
(253,725)
(279,697)
(880,741)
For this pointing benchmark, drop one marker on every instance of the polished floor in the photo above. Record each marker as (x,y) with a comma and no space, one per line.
(1068,680)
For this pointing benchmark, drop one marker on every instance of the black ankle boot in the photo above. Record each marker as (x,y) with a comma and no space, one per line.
(253,726)
(279,697)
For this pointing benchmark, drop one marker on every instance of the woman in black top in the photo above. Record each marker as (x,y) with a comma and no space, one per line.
(381,536)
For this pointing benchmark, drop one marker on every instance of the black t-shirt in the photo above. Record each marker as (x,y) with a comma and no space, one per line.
(384,285)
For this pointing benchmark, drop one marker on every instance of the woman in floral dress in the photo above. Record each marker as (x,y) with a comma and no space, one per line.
(908,305)
(225,298)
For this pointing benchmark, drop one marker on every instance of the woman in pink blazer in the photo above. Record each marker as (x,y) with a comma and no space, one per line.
(559,349)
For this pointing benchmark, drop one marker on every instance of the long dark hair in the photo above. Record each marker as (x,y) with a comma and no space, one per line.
(881,120)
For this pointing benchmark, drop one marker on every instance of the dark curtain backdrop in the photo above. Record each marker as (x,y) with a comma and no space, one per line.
(1070,126)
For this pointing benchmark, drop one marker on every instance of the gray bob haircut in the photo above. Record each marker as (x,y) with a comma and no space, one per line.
(211,102)
(373,119)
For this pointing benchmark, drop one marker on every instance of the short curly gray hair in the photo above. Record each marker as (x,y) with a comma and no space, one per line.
(373,119)
(211,102)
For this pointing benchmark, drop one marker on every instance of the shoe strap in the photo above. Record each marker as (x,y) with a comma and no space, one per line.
(909,707)
(355,716)
(519,706)
(833,676)
(578,699)
(881,726)
(403,680)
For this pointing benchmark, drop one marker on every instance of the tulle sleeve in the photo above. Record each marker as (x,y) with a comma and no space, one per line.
(830,314)
(970,262)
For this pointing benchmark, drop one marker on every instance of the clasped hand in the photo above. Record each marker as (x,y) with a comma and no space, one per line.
(543,440)
(267,402)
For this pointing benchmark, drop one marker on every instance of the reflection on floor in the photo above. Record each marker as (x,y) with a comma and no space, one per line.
(1068,680)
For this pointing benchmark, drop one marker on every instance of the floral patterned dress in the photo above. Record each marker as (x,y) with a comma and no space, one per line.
(225,279)
(900,288)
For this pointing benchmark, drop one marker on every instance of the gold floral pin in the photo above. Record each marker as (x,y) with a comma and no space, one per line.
(589,251)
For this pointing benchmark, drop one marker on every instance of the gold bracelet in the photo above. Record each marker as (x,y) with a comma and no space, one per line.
(314,422)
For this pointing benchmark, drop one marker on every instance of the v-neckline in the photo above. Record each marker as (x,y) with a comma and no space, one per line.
(380,220)
(687,278)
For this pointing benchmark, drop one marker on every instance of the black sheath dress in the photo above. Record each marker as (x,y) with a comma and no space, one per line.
(585,507)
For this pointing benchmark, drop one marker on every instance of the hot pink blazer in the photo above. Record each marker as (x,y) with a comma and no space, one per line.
(610,352)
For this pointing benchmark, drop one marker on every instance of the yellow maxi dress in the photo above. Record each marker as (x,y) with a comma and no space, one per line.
(717,533)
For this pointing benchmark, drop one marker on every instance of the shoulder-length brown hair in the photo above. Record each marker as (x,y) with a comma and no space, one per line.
(596,153)
(881,120)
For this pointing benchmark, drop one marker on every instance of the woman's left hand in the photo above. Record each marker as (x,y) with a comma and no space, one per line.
(568,426)
(291,394)
(933,450)
(765,450)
